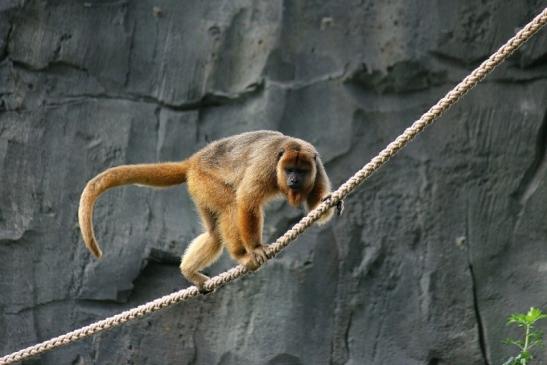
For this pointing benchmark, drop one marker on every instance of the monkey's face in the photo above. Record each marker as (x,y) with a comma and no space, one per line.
(296,175)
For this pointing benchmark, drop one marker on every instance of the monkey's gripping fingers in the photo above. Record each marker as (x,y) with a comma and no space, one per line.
(339,208)
(204,291)
(256,257)
(339,205)
(259,254)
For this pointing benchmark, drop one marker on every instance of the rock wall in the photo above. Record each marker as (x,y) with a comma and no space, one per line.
(431,255)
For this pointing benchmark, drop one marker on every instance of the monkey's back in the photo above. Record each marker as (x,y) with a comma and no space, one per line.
(229,158)
(217,171)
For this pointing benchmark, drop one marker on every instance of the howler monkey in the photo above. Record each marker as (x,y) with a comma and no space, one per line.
(229,180)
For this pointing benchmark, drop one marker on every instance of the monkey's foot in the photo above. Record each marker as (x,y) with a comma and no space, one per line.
(204,291)
(201,287)
(196,278)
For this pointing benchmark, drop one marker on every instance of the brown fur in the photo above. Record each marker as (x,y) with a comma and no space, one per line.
(229,180)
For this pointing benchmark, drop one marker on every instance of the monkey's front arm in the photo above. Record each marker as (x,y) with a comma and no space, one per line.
(250,221)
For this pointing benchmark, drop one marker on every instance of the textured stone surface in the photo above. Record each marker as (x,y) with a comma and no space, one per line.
(431,255)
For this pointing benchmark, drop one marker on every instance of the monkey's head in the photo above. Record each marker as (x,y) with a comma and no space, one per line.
(296,172)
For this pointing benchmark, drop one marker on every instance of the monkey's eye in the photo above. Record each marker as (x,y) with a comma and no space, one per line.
(294,170)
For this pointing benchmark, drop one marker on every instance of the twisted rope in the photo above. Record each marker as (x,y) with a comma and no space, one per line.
(433,113)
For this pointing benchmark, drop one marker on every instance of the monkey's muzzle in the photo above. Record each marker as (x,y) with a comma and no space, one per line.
(294,183)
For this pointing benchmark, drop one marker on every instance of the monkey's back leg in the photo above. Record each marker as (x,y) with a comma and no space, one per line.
(203,251)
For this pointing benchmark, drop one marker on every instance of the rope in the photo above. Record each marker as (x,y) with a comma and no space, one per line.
(433,113)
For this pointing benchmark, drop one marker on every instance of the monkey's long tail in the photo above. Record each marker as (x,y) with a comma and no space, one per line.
(159,175)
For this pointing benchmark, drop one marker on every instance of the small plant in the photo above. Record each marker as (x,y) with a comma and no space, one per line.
(532,337)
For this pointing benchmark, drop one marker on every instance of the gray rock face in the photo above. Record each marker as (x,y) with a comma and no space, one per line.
(431,255)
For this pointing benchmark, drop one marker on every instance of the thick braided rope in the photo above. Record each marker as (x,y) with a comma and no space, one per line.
(442,105)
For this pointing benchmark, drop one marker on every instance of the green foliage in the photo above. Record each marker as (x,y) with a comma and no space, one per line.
(532,337)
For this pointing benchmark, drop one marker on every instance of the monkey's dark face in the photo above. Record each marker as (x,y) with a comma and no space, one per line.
(296,175)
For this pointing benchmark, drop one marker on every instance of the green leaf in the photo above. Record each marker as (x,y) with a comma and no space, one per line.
(532,338)
(519,344)
(534,315)
(535,336)
(523,358)
(517,318)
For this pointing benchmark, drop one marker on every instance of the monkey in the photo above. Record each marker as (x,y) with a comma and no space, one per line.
(230,181)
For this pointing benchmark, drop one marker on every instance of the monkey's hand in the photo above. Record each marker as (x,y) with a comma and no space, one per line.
(339,205)
(256,257)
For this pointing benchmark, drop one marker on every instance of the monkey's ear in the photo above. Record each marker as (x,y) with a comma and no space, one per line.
(315,155)
(280,153)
